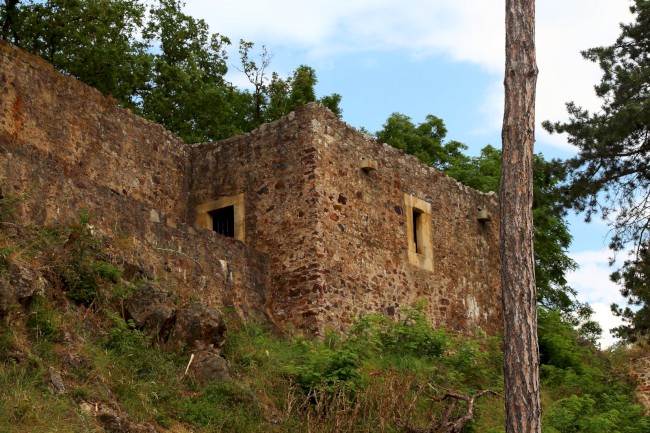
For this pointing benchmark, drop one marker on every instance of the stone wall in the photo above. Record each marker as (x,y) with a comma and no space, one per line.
(364,249)
(66,148)
(324,240)
(337,235)
(640,373)
(274,168)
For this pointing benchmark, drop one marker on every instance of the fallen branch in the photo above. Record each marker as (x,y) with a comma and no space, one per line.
(448,424)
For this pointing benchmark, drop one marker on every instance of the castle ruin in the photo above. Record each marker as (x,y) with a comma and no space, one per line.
(304,221)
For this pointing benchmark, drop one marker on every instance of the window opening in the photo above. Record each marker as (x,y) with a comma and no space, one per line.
(417,227)
(225,216)
(223,221)
(419,232)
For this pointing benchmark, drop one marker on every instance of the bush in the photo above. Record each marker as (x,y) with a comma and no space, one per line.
(43,321)
(222,406)
(83,268)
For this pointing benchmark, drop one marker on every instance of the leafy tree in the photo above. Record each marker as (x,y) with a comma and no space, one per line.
(189,94)
(588,393)
(255,72)
(7,14)
(426,140)
(551,232)
(610,174)
(273,98)
(94,40)
(635,279)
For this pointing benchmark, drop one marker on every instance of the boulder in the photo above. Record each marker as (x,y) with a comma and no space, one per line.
(208,365)
(198,327)
(152,310)
(18,286)
(114,421)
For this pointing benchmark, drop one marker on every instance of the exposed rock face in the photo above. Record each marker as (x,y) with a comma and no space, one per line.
(18,286)
(114,421)
(208,365)
(152,310)
(56,381)
(198,327)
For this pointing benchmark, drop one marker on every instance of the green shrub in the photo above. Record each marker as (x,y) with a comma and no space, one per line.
(8,205)
(124,338)
(83,267)
(222,406)
(411,335)
(330,364)
(43,321)
(585,415)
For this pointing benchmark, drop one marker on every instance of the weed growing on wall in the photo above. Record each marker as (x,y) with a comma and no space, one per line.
(85,267)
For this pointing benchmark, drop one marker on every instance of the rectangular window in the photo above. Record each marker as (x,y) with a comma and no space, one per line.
(417,221)
(419,232)
(225,216)
(223,221)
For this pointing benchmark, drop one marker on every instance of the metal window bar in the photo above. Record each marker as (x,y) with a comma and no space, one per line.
(223,221)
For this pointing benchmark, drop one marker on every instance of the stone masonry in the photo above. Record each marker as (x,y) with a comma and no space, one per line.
(321,223)
(337,234)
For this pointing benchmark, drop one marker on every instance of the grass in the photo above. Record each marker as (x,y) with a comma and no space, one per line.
(380,376)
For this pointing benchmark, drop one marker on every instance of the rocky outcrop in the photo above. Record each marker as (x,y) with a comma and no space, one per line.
(115,421)
(18,286)
(152,310)
(196,329)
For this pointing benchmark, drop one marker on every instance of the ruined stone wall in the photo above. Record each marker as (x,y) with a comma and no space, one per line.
(324,240)
(364,245)
(640,372)
(59,121)
(274,168)
(337,235)
(65,148)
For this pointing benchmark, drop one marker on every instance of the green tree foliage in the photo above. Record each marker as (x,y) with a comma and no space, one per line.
(610,173)
(94,40)
(426,140)
(635,279)
(7,14)
(160,62)
(551,235)
(273,98)
(587,391)
(188,92)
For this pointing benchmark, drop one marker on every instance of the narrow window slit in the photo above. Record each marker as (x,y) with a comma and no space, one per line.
(417,223)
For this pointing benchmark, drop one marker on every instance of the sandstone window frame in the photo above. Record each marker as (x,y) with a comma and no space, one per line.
(419,232)
(204,218)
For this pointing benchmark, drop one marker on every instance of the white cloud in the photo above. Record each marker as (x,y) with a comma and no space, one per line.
(604,316)
(462,30)
(468,30)
(594,286)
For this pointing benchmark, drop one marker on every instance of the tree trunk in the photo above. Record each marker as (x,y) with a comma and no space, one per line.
(521,351)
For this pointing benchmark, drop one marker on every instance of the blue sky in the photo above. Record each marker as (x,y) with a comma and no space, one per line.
(444,58)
